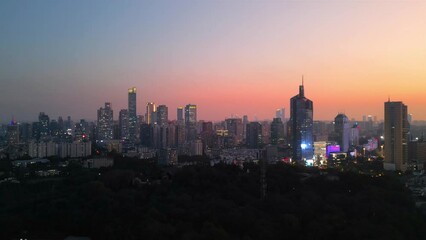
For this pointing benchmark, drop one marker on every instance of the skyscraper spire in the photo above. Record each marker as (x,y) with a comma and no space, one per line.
(301,89)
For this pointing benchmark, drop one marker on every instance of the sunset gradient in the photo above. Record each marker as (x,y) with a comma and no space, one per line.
(227,57)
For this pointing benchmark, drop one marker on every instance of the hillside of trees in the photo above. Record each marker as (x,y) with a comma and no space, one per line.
(139,200)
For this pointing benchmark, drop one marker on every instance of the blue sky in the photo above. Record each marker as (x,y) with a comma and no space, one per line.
(229,57)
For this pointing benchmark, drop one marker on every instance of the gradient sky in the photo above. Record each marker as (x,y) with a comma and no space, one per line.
(228,57)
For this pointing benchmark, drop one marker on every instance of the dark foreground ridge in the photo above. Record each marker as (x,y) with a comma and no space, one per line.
(138,200)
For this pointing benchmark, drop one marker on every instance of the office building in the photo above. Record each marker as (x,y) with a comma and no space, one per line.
(301,127)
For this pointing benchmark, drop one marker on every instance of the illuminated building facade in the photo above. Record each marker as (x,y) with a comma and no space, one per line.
(105,123)
(150,117)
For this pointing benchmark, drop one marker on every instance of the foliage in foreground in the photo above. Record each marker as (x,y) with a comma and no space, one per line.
(201,202)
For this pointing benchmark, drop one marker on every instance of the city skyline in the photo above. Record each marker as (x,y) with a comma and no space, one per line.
(240,57)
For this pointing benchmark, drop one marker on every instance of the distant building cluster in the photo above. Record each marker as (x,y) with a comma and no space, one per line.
(296,139)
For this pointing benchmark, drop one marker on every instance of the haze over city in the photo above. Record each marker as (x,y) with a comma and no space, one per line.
(228,57)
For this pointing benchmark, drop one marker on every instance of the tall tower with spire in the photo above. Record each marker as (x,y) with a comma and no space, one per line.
(301,126)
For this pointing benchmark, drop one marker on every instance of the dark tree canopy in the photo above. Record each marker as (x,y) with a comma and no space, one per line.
(139,200)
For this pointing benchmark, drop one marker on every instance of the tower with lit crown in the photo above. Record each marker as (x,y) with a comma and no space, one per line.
(150,115)
(132,117)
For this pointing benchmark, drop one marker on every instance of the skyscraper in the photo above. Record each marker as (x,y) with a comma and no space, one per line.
(190,122)
(190,114)
(150,117)
(133,118)
(277,131)
(123,124)
(235,129)
(81,131)
(280,113)
(179,117)
(342,128)
(13,133)
(254,135)
(105,123)
(396,136)
(44,121)
(354,136)
(162,115)
(301,126)
(245,122)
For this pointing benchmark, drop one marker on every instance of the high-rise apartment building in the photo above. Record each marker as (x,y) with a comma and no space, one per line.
(13,133)
(396,136)
(105,123)
(81,131)
(44,122)
(301,126)
(132,117)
